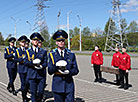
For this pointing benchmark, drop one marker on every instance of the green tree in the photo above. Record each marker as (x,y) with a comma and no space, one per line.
(132,39)
(52,44)
(133,27)
(6,40)
(110,26)
(76,31)
(46,36)
(75,42)
(1,39)
(123,25)
(86,31)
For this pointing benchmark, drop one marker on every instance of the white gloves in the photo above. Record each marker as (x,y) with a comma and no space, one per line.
(36,61)
(13,54)
(40,67)
(64,72)
(91,65)
(23,57)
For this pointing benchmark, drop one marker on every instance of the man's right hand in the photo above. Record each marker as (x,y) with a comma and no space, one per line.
(91,65)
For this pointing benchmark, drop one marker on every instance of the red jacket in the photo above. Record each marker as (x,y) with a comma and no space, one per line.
(116,59)
(97,58)
(125,62)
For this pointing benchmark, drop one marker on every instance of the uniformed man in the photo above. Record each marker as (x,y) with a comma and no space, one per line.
(40,42)
(96,62)
(124,67)
(11,64)
(27,44)
(22,69)
(36,60)
(116,62)
(63,65)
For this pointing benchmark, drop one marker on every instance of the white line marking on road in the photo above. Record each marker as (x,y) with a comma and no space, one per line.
(100,84)
(3,84)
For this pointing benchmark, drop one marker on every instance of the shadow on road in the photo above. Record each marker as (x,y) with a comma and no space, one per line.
(114,83)
(49,94)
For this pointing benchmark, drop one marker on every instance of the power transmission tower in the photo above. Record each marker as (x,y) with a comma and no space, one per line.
(116,33)
(40,22)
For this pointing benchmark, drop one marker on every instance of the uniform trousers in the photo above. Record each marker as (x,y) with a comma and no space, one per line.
(12,72)
(37,88)
(64,97)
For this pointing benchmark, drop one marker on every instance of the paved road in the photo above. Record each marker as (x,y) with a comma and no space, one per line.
(86,89)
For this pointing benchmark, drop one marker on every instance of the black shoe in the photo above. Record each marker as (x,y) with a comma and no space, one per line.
(9,89)
(117,83)
(100,80)
(96,80)
(14,93)
(121,87)
(126,87)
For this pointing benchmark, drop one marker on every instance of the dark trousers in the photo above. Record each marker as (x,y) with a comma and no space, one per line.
(123,75)
(97,71)
(12,72)
(37,89)
(117,77)
(24,84)
(23,79)
(64,97)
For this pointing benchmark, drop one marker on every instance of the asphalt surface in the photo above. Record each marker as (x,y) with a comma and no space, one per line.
(85,89)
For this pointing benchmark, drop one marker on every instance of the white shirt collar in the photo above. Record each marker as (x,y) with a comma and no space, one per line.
(22,48)
(11,47)
(35,48)
(62,51)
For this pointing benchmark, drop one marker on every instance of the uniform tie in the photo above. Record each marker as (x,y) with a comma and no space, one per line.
(35,51)
(23,49)
(62,54)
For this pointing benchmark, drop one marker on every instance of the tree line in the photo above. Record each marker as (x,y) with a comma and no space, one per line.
(89,38)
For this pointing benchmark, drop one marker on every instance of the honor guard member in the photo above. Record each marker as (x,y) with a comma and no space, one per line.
(96,62)
(62,64)
(116,62)
(27,44)
(36,61)
(11,64)
(40,42)
(124,67)
(22,69)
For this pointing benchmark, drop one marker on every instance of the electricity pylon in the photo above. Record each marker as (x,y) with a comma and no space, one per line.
(40,22)
(116,33)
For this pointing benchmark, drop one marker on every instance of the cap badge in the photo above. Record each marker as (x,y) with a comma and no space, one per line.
(61,36)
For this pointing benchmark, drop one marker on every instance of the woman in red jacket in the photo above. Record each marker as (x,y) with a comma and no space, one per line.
(116,62)
(96,61)
(125,65)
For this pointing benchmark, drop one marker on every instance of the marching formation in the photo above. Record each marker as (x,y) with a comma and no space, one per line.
(31,64)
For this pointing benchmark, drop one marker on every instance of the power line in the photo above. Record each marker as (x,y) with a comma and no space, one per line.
(116,34)
(40,22)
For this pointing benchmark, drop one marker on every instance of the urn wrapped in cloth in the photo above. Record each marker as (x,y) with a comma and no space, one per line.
(111,70)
